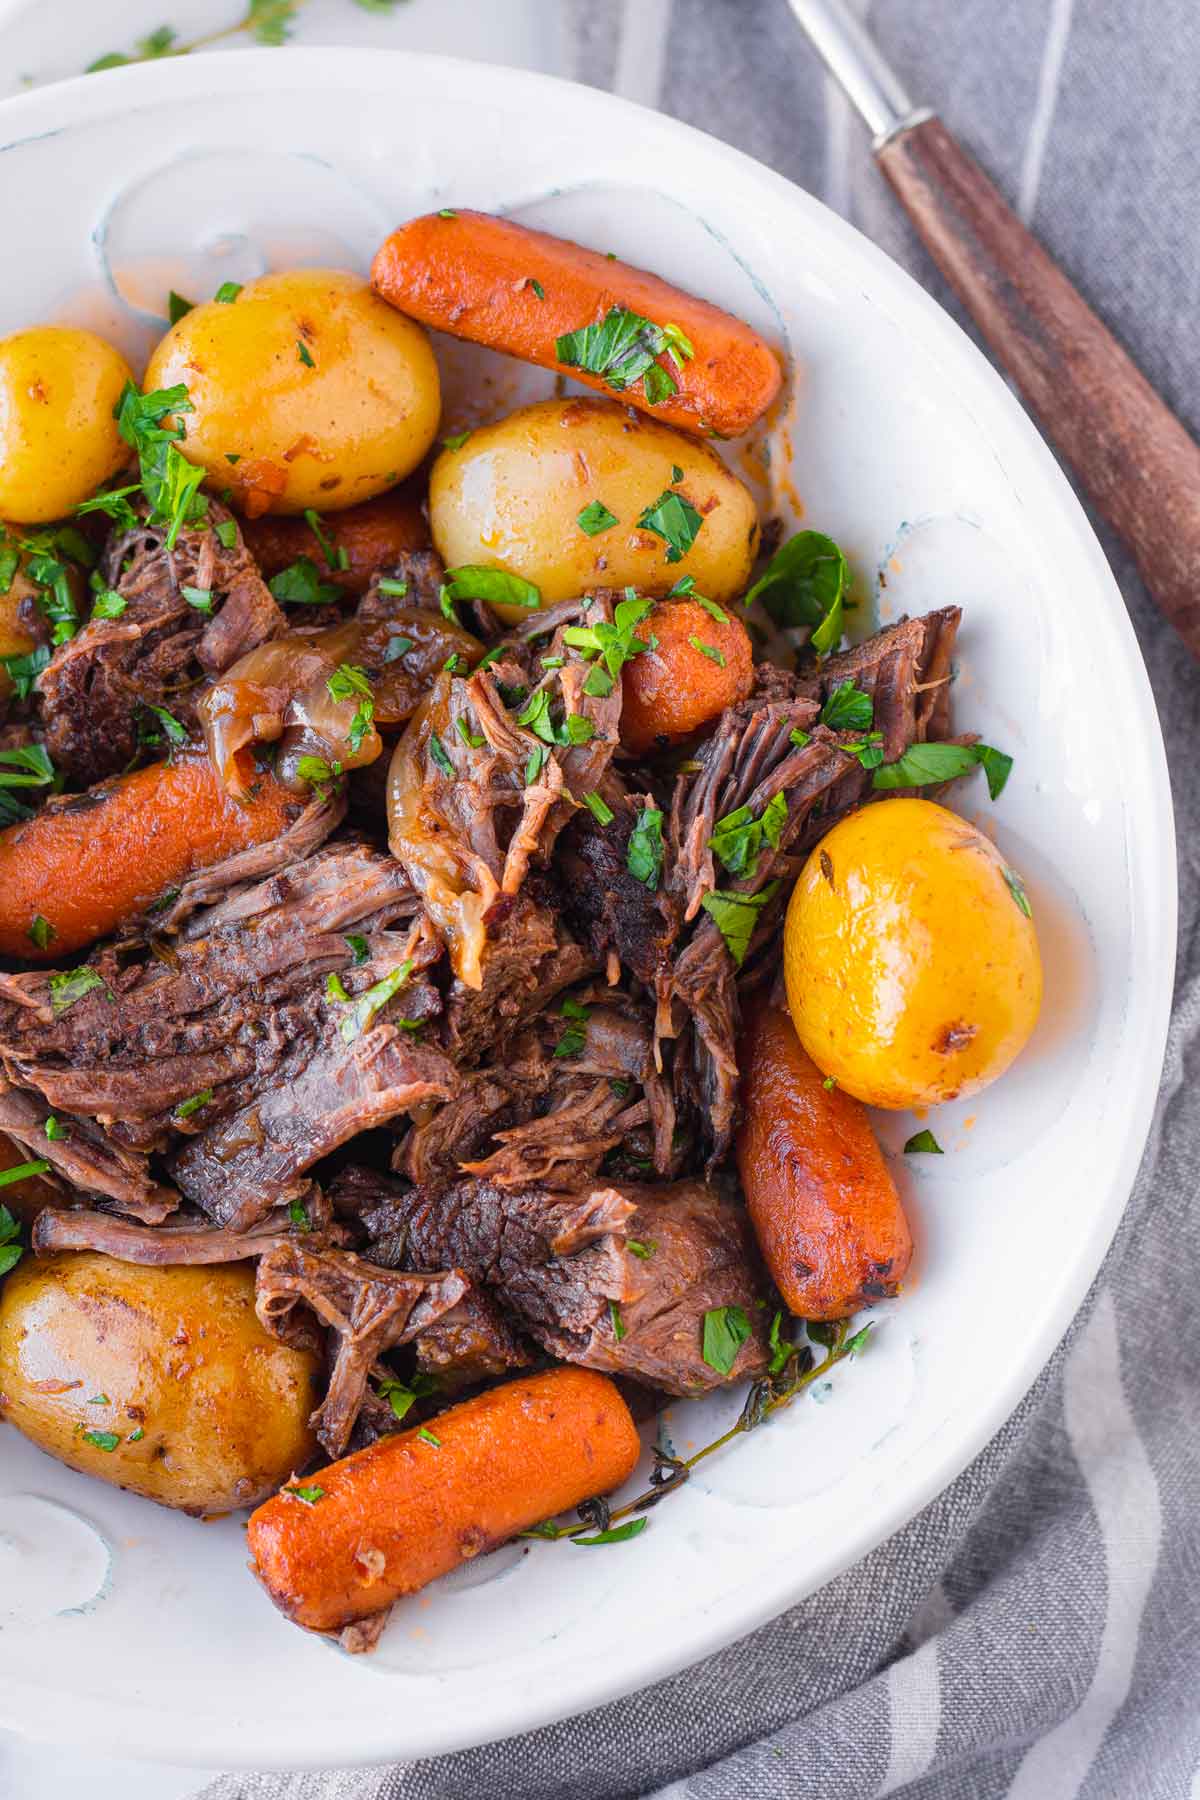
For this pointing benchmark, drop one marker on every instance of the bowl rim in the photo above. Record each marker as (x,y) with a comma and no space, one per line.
(63,106)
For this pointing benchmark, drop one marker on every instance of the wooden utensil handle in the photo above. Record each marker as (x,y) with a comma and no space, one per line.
(1128,449)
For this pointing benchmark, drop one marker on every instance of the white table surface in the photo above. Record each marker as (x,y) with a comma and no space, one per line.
(50,40)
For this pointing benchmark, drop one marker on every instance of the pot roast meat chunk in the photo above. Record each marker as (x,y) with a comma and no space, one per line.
(560,1263)
(93,695)
(369,1309)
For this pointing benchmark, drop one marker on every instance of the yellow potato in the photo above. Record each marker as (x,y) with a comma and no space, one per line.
(207,1412)
(321,393)
(910,957)
(58,437)
(511,497)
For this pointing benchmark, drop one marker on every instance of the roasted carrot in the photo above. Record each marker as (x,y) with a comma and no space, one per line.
(91,860)
(371,535)
(824,1208)
(347,1541)
(520,291)
(698,665)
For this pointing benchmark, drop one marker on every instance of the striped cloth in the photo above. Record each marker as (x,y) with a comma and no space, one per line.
(1035,1633)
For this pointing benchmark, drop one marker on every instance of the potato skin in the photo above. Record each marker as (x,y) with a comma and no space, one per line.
(674,688)
(511,497)
(824,1208)
(913,973)
(58,437)
(328,432)
(179,1355)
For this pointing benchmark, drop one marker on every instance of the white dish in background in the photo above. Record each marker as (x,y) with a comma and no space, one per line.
(911,451)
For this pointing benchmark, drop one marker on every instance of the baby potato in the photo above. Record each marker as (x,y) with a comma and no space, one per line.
(58,438)
(160,1380)
(308,391)
(512,498)
(910,957)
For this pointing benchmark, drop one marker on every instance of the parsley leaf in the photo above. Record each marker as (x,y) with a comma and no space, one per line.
(623,348)
(310,1494)
(615,1534)
(437,752)
(804,584)
(923,765)
(923,1141)
(1016,888)
(615,1319)
(177,307)
(726,1329)
(305,354)
(644,857)
(596,518)
(103,1440)
(472,581)
(673,518)
(186,1108)
(108,604)
(199,598)
(228,292)
(375,998)
(736,916)
(70,987)
(358,947)
(847,708)
(23,671)
(709,650)
(41,932)
(599,809)
(300,584)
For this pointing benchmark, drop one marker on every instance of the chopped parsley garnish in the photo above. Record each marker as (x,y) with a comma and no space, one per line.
(736,916)
(737,839)
(924,765)
(712,609)
(673,518)
(11,1250)
(455,664)
(403,1396)
(298,1214)
(41,932)
(103,1440)
(23,1171)
(644,857)
(781,1350)
(474,740)
(473,581)
(869,750)
(437,752)
(177,307)
(799,738)
(923,1141)
(23,671)
(115,503)
(643,1251)
(358,947)
(108,604)
(599,809)
(228,292)
(69,988)
(457,441)
(535,764)
(304,354)
(624,348)
(169,481)
(612,645)
(29,765)
(375,998)
(335,558)
(447,212)
(847,708)
(347,683)
(614,1534)
(335,988)
(536,285)
(176,733)
(726,1329)
(1016,888)
(617,1322)
(227,533)
(310,1494)
(300,584)
(596,518)
(427,1437)
(804,584)
(396,648)
(186,1108)
(135,1437)
(199,598)
(574,1037)
(709,650)
(317,772)
(393,586)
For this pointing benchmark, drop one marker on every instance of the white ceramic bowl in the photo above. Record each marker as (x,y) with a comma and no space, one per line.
(132,1630)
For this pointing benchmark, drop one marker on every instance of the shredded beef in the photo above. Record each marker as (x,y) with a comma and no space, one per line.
(189,1240)
(472,1342)
(86,1159)
(94,692)
(561,1264)
(424,572)
(370,1309)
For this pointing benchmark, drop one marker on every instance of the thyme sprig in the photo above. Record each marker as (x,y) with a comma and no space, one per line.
(766,1397)
(266,21)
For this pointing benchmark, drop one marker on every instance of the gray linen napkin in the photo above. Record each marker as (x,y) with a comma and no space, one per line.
(1036,1631)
